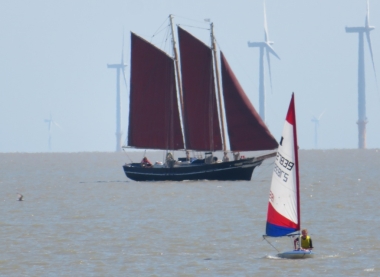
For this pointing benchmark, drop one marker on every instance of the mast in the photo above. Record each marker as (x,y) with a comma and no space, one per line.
(179,83)
(218,86)
(296,162)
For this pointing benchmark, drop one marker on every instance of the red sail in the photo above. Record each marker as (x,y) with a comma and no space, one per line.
(246,130)
(202,131)
(153,118)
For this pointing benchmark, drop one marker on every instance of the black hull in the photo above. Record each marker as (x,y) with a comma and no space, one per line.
(240,170)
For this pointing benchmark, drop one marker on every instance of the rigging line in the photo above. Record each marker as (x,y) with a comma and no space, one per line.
(199,21)
(168,42)
(241,66)
(162,30)
(264,238)
(265,168)
(144,153)
(165,39)
(191,26)
(217,43)
(158,30)
(125,152)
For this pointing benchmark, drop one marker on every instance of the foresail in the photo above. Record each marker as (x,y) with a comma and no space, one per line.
(201,122)
(283,208)
(154,121)
(246,130)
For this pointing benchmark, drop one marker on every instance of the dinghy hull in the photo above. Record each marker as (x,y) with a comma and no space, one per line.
(296,254)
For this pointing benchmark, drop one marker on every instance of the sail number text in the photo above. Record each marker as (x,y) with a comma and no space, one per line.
(279,173)
(285,163)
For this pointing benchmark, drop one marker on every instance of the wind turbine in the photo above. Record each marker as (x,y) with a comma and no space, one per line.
(119,69)
(362,121)
(316,126)
(51,122)
(264,46)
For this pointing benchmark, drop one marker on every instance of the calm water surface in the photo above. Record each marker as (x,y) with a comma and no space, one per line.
(82,217)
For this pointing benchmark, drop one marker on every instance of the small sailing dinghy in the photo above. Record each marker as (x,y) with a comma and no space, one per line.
(283,217)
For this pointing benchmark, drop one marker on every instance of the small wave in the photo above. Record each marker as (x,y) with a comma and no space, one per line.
(329,256)
(271,257)
(369,269)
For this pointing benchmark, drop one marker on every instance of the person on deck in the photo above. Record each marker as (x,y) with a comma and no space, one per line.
(145,162)
(306,243)
(236,156)
(225,157)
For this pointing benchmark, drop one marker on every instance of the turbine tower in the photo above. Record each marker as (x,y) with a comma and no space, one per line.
(264,46)
(119,68)
(50,122)
(316,126)
(362,121)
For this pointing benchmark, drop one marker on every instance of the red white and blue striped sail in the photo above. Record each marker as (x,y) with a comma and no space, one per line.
(283,208)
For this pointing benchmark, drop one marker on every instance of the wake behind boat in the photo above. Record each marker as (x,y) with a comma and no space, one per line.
(157,120)
(283,218)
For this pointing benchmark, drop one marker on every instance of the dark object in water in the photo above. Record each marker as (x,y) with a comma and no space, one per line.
(19,197)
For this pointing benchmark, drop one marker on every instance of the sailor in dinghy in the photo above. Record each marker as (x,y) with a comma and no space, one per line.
(306,242)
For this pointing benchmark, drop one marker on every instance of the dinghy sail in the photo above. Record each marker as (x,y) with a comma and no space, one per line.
(283,208)
(283,216)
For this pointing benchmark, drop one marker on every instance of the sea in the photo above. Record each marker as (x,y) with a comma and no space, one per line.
(81,216)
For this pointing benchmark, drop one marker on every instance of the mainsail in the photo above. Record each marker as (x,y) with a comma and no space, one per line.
(283,208)
(246,130)
(154,121)
(201,121)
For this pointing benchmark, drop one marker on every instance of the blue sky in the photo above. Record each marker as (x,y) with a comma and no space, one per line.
(54,57)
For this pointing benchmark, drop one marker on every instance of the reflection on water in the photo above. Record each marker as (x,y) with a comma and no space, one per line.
(82,216)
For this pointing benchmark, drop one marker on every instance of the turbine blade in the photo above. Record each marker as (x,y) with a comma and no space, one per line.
(122,62)
(369,40)
(367,16)
(370,50)
(122,50)
(125,80)
(320,116)
(271,50)
(56,124)
(265,24)
(270,72)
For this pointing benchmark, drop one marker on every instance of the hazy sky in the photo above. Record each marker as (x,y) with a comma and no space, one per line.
(54,57)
